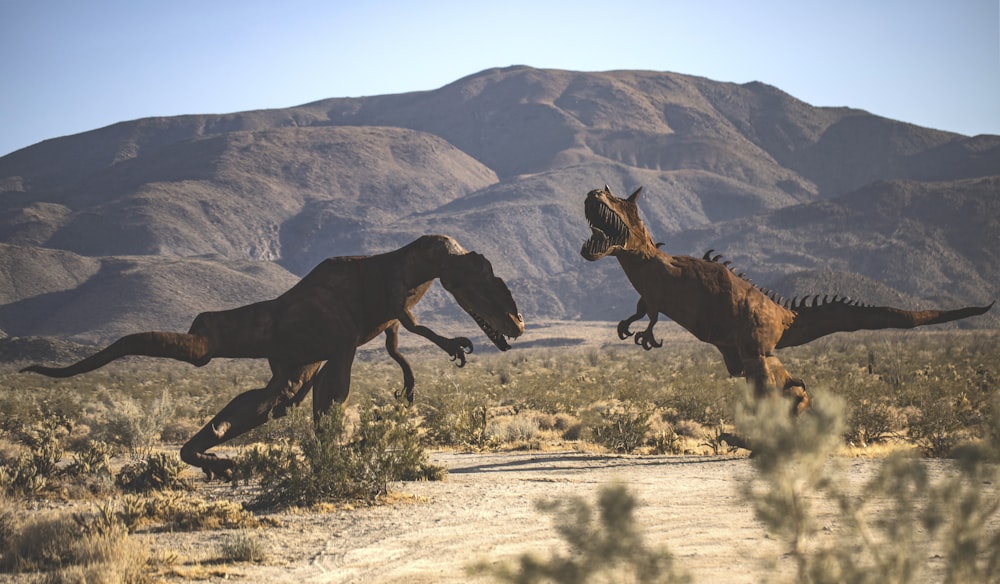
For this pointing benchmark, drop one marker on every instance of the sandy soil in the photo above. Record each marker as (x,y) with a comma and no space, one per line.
(486,511)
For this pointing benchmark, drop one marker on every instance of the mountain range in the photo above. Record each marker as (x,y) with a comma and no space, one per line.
(143,224)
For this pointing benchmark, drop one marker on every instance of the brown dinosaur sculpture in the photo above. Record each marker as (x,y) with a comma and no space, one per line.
(340,305)
(720,307)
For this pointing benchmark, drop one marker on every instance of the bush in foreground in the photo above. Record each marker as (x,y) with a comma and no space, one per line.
(609,548)
(887,528)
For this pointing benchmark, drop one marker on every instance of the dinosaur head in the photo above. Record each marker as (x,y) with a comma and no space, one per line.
(614,223)
(469,278)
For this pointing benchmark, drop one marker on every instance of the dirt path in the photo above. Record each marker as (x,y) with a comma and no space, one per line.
(486,510)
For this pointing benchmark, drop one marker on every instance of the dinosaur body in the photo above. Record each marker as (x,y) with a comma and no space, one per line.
(310,334)
(722,308)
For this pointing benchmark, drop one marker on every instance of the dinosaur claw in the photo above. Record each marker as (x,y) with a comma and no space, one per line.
(647,340)
(407,392)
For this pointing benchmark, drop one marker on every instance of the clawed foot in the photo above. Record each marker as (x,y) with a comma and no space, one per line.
(406,391)
(458,348)
(623,332)
(647,340)
(218,468)
(735,441)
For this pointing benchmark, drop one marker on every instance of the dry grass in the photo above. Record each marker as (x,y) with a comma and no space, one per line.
(918,392)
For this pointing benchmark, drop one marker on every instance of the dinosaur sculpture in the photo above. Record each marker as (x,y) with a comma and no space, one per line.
(340,305)
(720,307)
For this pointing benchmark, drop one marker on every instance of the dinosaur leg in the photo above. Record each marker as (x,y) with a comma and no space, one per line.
(623,326)
(333,382)
(646,338)
(458,347)
(767,374)
(734,364)
(392,347)
(245,412)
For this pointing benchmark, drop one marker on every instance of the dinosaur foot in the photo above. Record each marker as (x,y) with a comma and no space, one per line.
(407,392)
(623,332)
(213,466)
(647,340)
(220,468)
(735,441)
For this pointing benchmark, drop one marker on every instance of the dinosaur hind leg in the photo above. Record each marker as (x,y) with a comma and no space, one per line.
(767,374)
(392,347)
(244,413)
(333,382)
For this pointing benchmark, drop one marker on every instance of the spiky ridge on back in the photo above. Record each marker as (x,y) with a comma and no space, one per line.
(794,303)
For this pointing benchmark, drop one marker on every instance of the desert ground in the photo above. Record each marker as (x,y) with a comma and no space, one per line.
(486,511)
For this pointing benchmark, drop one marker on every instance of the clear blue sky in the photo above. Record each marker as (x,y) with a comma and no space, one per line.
(74,65)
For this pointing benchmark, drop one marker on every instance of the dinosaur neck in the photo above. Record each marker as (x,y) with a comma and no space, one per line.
(427,258)
(638,254)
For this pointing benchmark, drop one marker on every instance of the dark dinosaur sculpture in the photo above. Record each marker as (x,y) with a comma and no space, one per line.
(721,307)
(310,334)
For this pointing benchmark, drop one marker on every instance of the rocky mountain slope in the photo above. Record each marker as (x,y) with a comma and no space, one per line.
(143,224)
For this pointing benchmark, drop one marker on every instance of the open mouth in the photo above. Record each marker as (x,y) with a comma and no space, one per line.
(608,229)
(499,339)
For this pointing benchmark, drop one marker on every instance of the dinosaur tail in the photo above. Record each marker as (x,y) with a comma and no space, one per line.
(820,319)
(180,346)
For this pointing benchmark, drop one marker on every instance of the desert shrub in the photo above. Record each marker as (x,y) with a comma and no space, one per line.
(623,427)
(156,472)
(705,401)
(666,441)
(887,527)
(137,426)
(871,421)
(512,429)
(455,418)
(791,456)
(182,511)
(67,549)
(93,459)
(608,547)
(334,465)
(243,546)
(42,543)
(35,465)
(9,514)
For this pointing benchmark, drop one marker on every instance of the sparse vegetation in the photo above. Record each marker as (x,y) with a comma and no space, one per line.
(926,394)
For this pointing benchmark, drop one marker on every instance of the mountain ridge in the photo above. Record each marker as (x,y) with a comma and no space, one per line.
(501,160)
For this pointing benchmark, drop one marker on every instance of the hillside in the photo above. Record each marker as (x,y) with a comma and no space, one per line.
(173,216)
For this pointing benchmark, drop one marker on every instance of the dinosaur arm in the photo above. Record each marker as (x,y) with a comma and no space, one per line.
(392,347)
(623,326)
(812,322)
(457,348)
(645,338)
